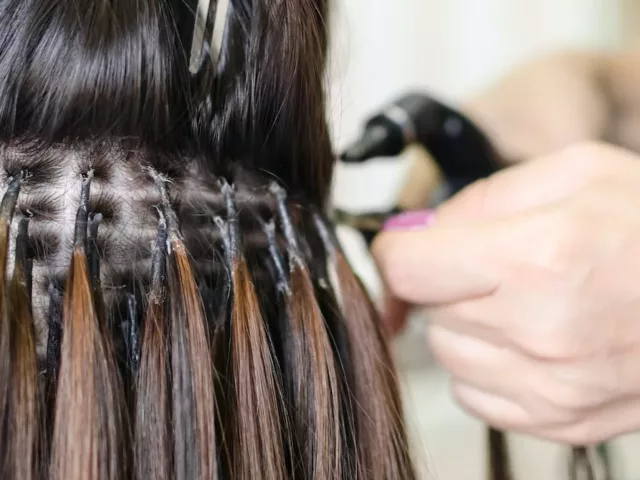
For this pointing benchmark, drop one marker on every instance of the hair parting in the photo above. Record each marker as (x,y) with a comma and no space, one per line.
(89,431)
(379,418)
(256,446)
(311,367)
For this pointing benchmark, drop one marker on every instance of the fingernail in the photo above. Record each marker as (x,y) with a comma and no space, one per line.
(410,220)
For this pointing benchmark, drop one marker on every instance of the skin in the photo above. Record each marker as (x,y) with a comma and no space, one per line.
(530,277)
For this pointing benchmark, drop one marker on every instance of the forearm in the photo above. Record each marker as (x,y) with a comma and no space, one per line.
(560,99)
(545,104)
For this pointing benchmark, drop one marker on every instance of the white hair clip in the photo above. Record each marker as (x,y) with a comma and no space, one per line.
(199,44)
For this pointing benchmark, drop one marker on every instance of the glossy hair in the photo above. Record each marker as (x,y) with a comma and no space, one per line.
(174,303)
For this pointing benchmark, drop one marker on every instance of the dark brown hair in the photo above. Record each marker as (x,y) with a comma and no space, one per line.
(174,303)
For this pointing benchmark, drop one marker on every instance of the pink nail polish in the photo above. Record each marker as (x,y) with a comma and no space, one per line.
(410,220)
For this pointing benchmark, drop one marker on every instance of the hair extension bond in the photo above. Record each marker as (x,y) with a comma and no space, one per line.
(174,303)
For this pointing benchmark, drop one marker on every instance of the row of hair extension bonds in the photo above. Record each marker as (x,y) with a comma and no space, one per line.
(311,369)
(192,391)
(20,410)
(90,431)
(380,422)
(255,432)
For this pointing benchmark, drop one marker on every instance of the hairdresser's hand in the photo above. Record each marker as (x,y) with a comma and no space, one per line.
(531,280)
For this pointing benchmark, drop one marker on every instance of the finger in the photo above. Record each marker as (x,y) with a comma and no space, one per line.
(531,320)
(550,392)
(434,266)
(447,264)
(503,413)
(492,368)
(541,402)
(619,418)
(531,184)
(501,371)
(495,410)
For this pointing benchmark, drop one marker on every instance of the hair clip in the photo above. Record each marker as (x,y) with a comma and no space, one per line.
(198,45)
(219,28)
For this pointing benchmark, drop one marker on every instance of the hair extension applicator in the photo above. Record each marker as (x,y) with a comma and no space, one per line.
(458,146)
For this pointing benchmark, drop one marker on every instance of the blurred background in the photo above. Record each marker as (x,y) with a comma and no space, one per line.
(451,49)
